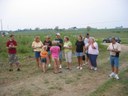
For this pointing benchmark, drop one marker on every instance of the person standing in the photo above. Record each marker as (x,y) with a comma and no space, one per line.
(37,46)
(115,49)
(79,51)
(44,55)
(11,45)
(55,56)
(68,52)
(86,43)
(48,43)
(60,44)
(93,52)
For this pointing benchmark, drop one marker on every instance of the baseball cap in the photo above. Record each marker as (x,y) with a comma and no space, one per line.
(58,34)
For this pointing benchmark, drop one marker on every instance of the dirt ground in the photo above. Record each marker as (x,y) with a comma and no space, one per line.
(32,82)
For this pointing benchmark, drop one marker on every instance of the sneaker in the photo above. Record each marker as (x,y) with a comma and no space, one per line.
(78,67)
(95,68)
(81,68)
(60,66)
(84,64)
(49,65)
(116,77)
(18,69)
(112,74)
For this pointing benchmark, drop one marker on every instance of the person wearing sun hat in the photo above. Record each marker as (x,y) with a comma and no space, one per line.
(59,41)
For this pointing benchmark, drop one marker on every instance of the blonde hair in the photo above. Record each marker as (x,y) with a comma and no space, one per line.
(36,37)
(92,38)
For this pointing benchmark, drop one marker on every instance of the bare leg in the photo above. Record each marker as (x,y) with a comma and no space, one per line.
(116,70)
(38,62)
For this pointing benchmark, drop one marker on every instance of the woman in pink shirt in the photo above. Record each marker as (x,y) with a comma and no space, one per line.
(55,56)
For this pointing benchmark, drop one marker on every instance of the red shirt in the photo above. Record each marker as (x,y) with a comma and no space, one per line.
(11,43)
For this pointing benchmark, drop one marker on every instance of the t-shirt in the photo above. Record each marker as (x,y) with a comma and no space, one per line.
(59,41)
(79,46)
(92,50)
(55,51)
(48,44)
(37,46)
(86,41)
(11,43)
(43,54)
(115,46)
(67,44)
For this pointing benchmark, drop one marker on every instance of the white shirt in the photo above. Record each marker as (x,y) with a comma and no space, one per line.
(92,50)
(37,45)
(115,46)
(86,41)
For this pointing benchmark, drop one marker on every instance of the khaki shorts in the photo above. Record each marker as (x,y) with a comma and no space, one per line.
(13,59)
(68,56)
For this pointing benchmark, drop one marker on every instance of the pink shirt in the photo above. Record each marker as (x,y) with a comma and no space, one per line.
(55,51)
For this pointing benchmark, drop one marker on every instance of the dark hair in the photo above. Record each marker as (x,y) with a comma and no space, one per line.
(81,37)
(11,35)
(67,37)
(113,38)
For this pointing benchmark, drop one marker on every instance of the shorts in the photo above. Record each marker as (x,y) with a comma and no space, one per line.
(60,55)
(43,60)
(49,53)
(114,61)
(83,57)
(79,54)
(68,56)
(53,59)
(37,54)
(13,59)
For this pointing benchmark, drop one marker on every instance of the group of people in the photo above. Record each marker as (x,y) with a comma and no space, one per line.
(52,50)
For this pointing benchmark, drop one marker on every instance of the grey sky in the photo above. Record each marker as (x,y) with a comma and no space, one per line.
(20,14)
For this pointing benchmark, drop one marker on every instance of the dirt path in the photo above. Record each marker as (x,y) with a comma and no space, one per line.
(68,83)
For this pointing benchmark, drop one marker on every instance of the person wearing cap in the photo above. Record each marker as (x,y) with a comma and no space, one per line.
(44,55)
(115,49)
(59,41)
(86,40)
(37,45)
(93,52)
(47,42)
(11,45)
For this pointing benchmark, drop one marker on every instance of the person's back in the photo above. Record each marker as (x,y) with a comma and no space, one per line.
(55,51)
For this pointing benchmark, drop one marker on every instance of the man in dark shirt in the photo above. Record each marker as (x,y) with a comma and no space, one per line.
(60,44)
(11,46)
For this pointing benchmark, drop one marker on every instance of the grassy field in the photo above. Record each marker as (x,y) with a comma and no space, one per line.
(32,82)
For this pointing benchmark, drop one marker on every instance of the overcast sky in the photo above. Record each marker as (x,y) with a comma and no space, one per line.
(20,14)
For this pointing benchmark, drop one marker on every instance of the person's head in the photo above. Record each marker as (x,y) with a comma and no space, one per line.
(47,38)
(80,38)
(91,40)
(57,35)
(87,35)
(113,40)
(66,38)
(37,38)
(11,37)
(54,43)
(44,48)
